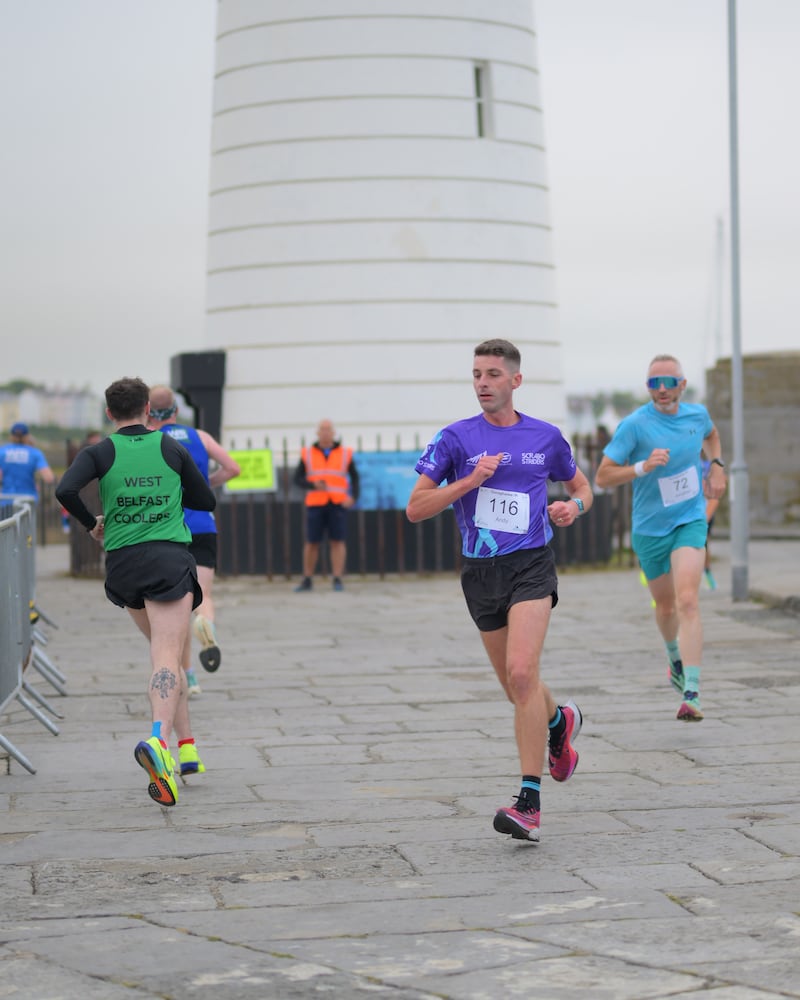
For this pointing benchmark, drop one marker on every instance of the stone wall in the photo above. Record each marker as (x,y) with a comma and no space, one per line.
(771,410)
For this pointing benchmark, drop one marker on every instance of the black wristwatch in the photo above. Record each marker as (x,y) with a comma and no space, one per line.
(717,461)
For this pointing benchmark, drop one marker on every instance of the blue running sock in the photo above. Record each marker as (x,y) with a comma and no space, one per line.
(673,651)
(553,723)
(156,730)
(529,792)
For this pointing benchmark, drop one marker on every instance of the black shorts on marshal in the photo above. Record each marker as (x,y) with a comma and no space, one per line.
(330,519)
(492,586)
(204,549)
(155,571)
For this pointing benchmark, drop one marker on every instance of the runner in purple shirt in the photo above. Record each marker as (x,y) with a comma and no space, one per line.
(495,467)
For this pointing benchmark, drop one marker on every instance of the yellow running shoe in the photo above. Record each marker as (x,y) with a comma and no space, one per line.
(190,760)
(643,581)
(159,764)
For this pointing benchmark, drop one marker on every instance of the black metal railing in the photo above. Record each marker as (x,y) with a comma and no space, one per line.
(262,534)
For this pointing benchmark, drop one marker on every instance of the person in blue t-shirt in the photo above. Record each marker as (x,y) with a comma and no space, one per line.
(495,467)
(658,448)
(21,463)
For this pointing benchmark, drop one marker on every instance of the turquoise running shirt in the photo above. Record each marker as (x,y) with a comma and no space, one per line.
(671,495)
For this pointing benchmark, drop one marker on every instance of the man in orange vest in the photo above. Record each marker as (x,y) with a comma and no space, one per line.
(328,474)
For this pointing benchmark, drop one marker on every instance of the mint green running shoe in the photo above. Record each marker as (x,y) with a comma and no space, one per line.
(675,675)
(690,710)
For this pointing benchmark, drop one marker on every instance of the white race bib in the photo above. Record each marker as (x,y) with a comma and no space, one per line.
(682,486)
(503,510)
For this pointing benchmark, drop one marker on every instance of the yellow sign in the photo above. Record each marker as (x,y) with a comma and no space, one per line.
(258,473)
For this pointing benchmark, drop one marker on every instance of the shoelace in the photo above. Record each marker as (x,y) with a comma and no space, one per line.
(523,804)
(557,743)
(690,695)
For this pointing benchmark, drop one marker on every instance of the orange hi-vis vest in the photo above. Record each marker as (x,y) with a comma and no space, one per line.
(331,470)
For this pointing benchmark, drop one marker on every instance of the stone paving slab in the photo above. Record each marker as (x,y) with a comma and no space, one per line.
(125,959)
(26,976)
(341,844)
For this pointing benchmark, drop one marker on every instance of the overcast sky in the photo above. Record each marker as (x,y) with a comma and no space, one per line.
(105,115)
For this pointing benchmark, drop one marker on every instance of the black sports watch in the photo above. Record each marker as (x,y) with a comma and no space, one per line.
(717,461)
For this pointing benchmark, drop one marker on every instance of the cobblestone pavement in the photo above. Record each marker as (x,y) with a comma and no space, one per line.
(341,842)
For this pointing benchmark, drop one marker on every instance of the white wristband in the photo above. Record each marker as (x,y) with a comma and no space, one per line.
(639,470)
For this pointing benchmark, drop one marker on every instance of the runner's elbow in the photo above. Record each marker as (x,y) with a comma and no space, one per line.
(414,512)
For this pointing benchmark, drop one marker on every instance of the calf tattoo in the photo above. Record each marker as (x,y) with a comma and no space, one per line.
(163,681)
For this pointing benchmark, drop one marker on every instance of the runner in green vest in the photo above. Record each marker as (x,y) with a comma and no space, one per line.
(145,479)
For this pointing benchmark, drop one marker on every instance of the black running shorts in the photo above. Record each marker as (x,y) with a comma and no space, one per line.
(492,586)
(156,571)
(204,549)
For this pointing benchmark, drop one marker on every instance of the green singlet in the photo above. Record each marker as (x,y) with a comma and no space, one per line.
(141,494)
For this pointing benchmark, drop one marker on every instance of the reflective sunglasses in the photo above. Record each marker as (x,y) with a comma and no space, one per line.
(668,381)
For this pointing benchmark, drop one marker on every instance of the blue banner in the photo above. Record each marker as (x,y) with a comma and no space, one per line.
(386,478)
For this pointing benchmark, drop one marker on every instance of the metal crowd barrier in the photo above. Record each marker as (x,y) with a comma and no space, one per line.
(20,638)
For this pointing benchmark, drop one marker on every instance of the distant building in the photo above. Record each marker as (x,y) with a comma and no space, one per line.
(771,416)
(43,407)
(378,205)
(9,410)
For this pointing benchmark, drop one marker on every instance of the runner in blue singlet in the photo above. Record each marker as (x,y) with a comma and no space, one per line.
(203,447)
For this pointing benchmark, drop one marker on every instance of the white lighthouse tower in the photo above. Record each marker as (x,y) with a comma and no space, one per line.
(378,206)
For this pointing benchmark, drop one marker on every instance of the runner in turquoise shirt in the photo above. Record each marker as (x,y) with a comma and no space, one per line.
(673,494)
(659,449)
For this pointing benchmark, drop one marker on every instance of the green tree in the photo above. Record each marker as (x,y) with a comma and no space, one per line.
(18,385)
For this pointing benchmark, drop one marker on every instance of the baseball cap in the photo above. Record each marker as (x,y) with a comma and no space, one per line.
(19,428)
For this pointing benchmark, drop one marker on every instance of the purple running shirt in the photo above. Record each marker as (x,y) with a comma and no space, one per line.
(509,511)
